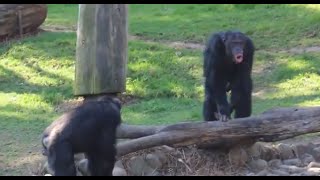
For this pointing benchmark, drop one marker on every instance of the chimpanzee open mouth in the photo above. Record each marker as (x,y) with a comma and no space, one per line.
(239,58)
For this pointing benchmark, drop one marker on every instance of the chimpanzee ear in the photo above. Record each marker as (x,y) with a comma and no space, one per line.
(223,37)
(222,42)
(117,102)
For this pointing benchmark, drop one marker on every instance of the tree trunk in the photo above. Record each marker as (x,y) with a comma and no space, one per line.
(268,127)
(20,19)
(101,49)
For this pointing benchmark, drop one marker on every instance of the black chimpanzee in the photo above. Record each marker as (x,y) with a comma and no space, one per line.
(228,59)
(90,129)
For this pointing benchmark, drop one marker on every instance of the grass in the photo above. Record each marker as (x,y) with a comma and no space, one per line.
(271,26)
(37,73)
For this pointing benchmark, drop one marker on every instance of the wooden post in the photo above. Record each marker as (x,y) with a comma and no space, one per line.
(101,55)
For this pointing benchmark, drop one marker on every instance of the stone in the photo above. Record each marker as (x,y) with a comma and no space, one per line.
(301,149)
(137,166)
(307,159)
(314,170)
(250,174)
(117,171)
(255,150)
(162,156)
(314,165)
(291,169)
(262,173)
(238,157)
(274,163)
(293,162)
(269,152)
(286,151)
(316,153)
(308,173)
(295,174)
(154,161)
(258,165)
(279,172)
(270,174)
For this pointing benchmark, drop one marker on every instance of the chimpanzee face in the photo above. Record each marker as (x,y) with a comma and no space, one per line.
(235,45)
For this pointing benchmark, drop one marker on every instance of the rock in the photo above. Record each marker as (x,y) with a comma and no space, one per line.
(295,174)
(250,174)
(162,156)
(255,150)
(258,165)
(83,167)
(307,159)
(274,163)
(308,173)
(262,173)
(316,153)
(314,165)
(270,174)
(301,149)
(117,171)
(291,169)
(263,151)
(238,157)
(314,170)
(293,162)
(286,152)
(154,161)
(119,164)
(279,172)
(137,166)
(269,152)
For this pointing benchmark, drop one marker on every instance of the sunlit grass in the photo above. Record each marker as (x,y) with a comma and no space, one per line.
(37,73)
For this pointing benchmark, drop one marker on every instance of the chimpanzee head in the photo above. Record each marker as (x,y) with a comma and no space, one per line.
(115,100)
(235,43)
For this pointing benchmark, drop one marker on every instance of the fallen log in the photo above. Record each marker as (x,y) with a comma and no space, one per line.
(19,19)
(267,127)
(136,131)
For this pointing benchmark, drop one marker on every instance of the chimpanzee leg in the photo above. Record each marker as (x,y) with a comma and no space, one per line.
(61,159)
(241,98)
(102,160)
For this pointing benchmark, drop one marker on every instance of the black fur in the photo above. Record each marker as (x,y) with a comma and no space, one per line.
(223,73)
(90,129)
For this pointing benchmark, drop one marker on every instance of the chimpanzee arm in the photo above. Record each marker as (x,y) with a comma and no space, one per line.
(215,82)
(220,96)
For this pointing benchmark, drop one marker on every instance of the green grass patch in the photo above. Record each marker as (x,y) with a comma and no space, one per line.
(270,26)
(37,73)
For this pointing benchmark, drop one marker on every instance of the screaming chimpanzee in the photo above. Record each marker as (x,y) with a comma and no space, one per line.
(228,59)
(90,129)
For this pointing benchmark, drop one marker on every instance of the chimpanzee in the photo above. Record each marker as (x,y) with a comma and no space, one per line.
(228,59)
(90,129)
